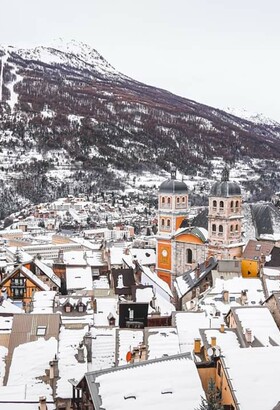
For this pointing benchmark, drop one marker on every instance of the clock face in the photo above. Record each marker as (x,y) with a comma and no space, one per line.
(164,253)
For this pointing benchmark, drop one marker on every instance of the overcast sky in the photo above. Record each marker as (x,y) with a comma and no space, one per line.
(224,53)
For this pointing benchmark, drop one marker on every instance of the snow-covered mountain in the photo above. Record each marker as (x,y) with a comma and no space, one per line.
(70,122)
(256,118)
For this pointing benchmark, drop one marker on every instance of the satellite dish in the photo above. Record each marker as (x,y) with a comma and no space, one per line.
(210,351)
(217,351)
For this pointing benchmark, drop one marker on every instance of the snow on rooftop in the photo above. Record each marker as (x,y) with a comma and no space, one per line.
(103,348)
(225,340)
(128,339)
(188,325)
(8,307)
(162,342)
(78,278)
(162,306)
(101,283)
(6,323)
(69,368)
(105,306)
(156,385)
(29,362)
(261,323)
(151,278)
(258,367)
(116,256)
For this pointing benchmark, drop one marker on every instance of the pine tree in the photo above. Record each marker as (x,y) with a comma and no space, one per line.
(213,401)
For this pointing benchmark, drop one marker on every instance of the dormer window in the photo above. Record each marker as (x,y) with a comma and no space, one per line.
(41,330)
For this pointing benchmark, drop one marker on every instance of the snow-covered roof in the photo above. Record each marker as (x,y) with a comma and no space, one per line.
(105,306)
(171,382)
(68,366)
(29,365)
(260,321)
(188,325)
(260,367)
(8,307)
(48,272)
(156,280)
(43,301)
(127,340)
(103,348)
(164,307)
(162,341)
(34,278)
(78,278)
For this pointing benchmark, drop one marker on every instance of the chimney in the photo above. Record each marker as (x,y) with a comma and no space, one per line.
(248,336)
(222,328)
(43,403)
(213,341)
(243,297)
(197,346)
(54,374)
(197,272)
(226,296)
(81,353)
(88,345)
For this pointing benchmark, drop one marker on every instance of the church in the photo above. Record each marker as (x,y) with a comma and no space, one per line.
(180,246)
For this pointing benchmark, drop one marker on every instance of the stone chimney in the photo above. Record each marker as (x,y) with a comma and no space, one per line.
(54,374)
(197,346)
(88,345)
(81,353)
(248,336)
(222,328)
(226,296)
(42,403)
(197,272)
(243,297)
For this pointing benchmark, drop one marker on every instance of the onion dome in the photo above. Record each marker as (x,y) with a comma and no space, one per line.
(225,188)
(172,185)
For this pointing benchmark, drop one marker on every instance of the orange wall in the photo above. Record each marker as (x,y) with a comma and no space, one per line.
(165,276)
(164,261)
(179,220)
(185,237)
(249,265)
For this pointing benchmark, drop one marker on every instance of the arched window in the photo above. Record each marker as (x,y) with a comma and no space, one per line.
(168,200)
(221,229)
(189,256)
(214,204)
(231,205)
(162,222)
(168,223)
(222,204)
(237,204)
(236,228)
(214,228)
(163,200)
(183,199)
(178,200)
(231,228)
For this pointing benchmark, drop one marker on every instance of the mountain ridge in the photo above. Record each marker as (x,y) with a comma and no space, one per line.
(77,105)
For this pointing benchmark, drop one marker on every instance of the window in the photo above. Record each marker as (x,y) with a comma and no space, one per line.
(232,204)
(41,330)
(231,228)
(168,200)
(222,204)
(168,223)
(214,204)
(178,200)
(163,200)
(183,199)
(219,369)
(214,228)
(221,229)
(162,222)
(237,204)
(189,256)
(236,228)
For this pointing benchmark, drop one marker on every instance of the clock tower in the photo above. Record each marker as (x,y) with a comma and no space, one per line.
(173,209)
